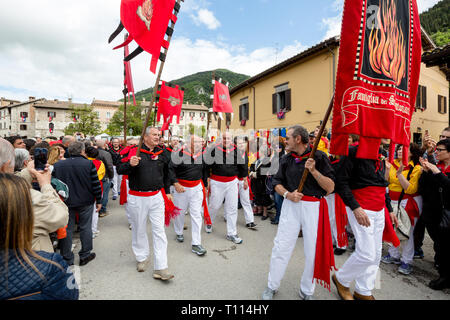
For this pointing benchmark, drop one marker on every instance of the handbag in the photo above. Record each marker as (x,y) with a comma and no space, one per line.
(444,224)
(404,223)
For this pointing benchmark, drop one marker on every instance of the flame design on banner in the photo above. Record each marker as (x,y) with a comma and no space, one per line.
(387,43)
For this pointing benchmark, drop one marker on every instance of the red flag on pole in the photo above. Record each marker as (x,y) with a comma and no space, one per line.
(128,81)
(378,75)
(222,101)
(147,23)
(169,105)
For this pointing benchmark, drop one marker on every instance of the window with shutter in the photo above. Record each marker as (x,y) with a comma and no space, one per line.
(421,98)
(424,97)
(281,99)
(442,104)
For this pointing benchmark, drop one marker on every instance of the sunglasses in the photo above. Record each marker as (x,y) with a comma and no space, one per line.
(439,149)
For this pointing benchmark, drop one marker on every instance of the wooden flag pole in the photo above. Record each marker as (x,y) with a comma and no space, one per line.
(155,89)
(210,107)
(125,91)
(316,143)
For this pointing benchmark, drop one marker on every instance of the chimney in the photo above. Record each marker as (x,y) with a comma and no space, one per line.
(56,100)
(70,100)
(31,98)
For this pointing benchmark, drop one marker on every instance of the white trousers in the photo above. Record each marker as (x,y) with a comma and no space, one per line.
(95,219)
(362,266)
(407,255)
(117,179)
(191,198)
(141,209)
(229,192)
(303,215)
(244,196)
(332,215)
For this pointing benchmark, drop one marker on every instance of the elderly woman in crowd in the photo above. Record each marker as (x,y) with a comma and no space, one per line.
(22,158)
(434,186)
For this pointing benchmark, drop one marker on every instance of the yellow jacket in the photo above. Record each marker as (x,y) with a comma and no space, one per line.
(394,183)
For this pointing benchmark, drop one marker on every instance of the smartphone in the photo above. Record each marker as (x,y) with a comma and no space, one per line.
(40,158)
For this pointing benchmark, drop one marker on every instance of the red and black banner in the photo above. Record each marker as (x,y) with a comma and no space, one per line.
(147,23)
(377,76)
(169,104)
(128,79)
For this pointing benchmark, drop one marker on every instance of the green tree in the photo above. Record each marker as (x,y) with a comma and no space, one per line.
(135,120)
(87,121)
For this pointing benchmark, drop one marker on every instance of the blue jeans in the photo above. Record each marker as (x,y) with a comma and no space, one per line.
(106,188)
(278,203)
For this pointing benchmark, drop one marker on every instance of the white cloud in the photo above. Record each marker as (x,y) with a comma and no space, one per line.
(424,5)
(332,25)
(206,17)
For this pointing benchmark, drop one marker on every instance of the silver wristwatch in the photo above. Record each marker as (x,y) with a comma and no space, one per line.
(285,194)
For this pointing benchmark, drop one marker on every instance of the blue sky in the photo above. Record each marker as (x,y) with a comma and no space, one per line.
(261,23)
(57,49)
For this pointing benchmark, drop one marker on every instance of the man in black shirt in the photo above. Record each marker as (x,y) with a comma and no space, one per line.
(115,154)
(362,186)
(149,182)
(190,179)
(226,165)
(306,211)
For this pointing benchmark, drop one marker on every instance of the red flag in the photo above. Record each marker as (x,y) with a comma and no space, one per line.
(128,80)
(147,22)
(378,75)
(222,101)
(169,105)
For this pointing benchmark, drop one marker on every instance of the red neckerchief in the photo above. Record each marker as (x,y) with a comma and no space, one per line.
(304,156)
(152,154)
(227,150)
(441,166)
(193,156)
(118,150)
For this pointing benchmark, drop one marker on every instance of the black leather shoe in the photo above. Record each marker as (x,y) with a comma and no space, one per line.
(440,283)
(88,259)
(339,251)
(264,217)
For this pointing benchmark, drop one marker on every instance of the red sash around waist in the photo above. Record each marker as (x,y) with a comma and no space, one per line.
(324,259)
(411,208)
(123,190)
(191,184)
(222,178)
(371,198)
(170,211)
(341,220)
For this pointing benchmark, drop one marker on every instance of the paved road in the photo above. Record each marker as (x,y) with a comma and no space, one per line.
(227,271)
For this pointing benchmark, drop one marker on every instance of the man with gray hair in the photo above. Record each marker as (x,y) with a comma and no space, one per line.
(50,213)
(149,198)
(306,211)
(81,177)
(65,142)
